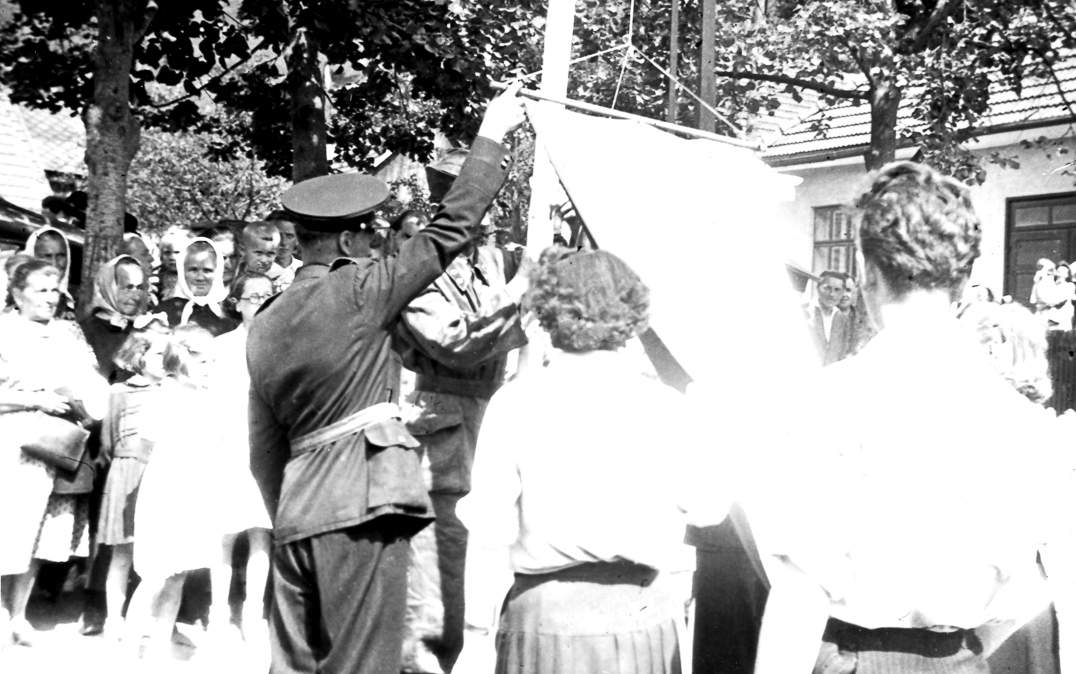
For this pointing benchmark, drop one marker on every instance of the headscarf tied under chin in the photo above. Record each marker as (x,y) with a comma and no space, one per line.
(31,244)
(106,290)
(217,291)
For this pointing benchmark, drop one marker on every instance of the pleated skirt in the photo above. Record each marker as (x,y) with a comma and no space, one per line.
(116,523)
(614,618)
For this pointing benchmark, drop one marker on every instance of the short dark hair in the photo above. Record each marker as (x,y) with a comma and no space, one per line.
(280,214)
(918,228)
(397,223)
(239,284)
(839,275)
(307,236)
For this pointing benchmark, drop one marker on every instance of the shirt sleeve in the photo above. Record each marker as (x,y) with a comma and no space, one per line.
(427,254)
(90,387)
(491,511)
(462,339)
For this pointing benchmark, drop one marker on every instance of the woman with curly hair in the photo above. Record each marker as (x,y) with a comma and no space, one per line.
(585,510)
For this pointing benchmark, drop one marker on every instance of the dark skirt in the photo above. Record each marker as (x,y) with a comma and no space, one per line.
(116,523)
(592,618)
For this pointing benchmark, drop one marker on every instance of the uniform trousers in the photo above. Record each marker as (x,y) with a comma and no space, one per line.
(339,599)
(448,429)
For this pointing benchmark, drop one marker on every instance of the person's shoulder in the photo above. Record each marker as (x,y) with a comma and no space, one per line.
(172,306)
(66,327)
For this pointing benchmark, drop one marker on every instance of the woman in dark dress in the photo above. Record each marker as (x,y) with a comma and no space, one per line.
(120,299)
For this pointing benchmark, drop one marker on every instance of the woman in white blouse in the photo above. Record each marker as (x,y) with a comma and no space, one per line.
(583,506)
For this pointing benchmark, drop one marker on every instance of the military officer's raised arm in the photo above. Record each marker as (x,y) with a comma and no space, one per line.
(425,256)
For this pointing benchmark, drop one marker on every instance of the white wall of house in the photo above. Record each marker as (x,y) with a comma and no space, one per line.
(838,183)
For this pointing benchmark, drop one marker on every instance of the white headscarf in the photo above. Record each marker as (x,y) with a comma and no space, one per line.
(217,291)
(31,244)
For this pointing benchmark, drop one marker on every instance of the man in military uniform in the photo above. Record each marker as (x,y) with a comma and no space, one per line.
(336,466)
(455,337)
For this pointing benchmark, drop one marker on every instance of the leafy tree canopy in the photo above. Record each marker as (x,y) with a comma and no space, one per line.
(173,181)
(401,70)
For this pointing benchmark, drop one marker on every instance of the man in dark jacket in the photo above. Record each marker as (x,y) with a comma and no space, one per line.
(336,466)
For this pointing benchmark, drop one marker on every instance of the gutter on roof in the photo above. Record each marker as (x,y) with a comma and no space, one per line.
(819,156)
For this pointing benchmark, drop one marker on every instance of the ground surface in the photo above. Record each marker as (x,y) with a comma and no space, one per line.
(59,648)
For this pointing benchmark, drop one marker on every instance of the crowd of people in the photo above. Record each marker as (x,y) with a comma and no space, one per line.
(334,391)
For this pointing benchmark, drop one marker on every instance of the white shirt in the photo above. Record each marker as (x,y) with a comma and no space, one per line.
(284,276)
(827,318)
(583,461)
(927,504)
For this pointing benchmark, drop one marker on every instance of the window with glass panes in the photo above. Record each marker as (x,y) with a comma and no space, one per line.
(1038,227)
(834,240)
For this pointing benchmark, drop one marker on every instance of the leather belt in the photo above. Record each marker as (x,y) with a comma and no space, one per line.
(918,641)
(349,425)
(468,388)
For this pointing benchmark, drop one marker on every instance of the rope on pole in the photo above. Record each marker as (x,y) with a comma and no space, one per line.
(609,112)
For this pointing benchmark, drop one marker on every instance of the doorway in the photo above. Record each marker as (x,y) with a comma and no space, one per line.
(1036,228)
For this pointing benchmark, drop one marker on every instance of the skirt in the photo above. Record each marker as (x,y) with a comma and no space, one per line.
(63,533)
(617,618)
(116,523)
(177,515)
(25,488)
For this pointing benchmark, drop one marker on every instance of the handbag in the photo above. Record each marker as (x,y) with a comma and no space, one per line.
(56,441)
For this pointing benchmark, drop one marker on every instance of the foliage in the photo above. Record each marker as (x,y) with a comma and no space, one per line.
(402,70)
(174,181)
(407,194)
(52,41)
(939,59)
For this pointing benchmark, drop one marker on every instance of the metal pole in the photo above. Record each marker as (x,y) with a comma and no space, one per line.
(674,54)
(707,77)
(545,188)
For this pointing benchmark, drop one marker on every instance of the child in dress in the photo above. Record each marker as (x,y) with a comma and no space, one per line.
(181,492)
(122,436)
(244,511)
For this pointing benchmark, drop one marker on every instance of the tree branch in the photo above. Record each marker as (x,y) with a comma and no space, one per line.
(941,12)
(1057,82)
(836,92)
(147,19)
(218,76)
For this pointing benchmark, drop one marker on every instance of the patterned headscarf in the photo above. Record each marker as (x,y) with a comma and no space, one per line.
(105,290)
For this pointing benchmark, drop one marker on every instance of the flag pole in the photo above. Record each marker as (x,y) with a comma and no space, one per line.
(546,192)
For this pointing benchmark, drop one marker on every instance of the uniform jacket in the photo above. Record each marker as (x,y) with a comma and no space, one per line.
(322,351)
(455,337)
(464,324)
(838,345)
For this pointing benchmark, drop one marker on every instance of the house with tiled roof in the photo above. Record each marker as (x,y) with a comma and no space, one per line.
(22,176)
(1027,213)
(41,155)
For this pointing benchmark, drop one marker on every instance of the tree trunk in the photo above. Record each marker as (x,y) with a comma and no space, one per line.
(885,102)
(309,123)
(112,133)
